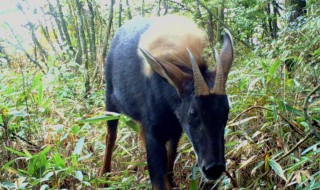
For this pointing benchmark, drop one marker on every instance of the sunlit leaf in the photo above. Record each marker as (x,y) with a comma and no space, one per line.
(243,121)
(194,182)
(58,161)
(79,146)
(100,118)
(8,185)
(40,94)
(47,176)
(311,148)
(79,175)
(246,162)
(275,65)
(277,168)
(16,152)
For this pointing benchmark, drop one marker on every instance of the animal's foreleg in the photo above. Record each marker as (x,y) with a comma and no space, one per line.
(157,162)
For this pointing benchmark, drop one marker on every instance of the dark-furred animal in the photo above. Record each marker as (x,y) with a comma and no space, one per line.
(155,74)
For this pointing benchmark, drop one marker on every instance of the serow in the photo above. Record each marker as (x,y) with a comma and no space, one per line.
(155,73)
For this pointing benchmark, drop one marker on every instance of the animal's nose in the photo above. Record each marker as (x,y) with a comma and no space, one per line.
(214,170)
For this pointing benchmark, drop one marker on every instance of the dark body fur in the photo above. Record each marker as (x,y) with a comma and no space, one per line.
(143,98)
(162,110)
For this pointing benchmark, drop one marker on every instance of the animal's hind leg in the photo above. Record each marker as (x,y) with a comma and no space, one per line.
(110,140)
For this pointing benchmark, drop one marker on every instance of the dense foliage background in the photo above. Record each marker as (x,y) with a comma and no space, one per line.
(52,120)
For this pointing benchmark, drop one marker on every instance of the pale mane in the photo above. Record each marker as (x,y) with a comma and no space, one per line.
(168,38)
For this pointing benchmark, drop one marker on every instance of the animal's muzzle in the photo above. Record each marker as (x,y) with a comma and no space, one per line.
(213,171)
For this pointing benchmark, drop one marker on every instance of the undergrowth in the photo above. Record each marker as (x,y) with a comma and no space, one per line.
(48,142)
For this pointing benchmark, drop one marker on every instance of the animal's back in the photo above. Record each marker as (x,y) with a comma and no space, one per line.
(127,71)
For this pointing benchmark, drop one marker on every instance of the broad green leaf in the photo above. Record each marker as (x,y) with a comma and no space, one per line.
(315,186)
(44,187)
(36,80)
(23,185)
(79,175)
(313,147)
(277,168)
(274,67)
(47,176)
(79,146)
(275,113)
(45,150)
(302,161)
(37,165)
(133,125)
(5,166)
(16,152)
(194,182)
(75,129)
(292,109)
(100,118)
(58,161)
(27,153)
(8,185)
(16,113)
(40,94)
(85,157)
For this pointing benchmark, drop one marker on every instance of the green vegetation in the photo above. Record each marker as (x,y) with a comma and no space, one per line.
(52,119)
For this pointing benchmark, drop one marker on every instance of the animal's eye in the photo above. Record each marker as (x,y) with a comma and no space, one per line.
(193,112)
(193,117)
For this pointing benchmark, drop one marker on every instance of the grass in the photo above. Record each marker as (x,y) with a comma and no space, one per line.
(46,143)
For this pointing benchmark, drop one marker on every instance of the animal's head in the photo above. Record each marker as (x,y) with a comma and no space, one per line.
(203,111)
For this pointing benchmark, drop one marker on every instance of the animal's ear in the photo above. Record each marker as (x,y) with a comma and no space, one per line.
(226,54)
(170,72)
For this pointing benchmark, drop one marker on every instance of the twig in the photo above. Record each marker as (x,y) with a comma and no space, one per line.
(296,146)
(234,183)
(305,109)
(263,175)
(181,5)
(283,117)
(25,51)
(21,138)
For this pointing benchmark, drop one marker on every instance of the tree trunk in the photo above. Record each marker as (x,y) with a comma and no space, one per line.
(55,35)
(128,10)
(83,42)
(159,8)
(31,27)
(120,14)
(93,44)
(142,8)
(64,26)
(268,10)
(55,16)
(274,19)
(108,33)
(165,4)
(25,51)
(221,16)
(43,53)
(45,32)
(296,8)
